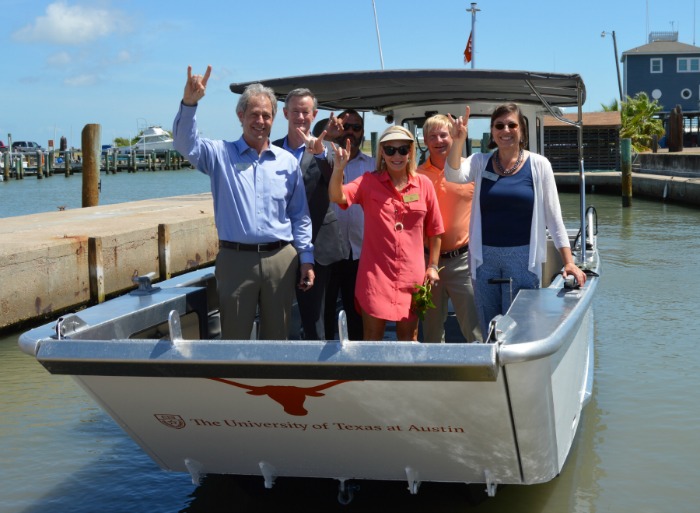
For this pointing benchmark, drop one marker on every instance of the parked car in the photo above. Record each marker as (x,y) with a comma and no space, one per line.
(26,146)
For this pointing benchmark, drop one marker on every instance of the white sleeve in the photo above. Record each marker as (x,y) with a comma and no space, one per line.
(461,175)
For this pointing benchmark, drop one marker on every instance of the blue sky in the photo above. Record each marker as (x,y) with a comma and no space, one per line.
(123,64)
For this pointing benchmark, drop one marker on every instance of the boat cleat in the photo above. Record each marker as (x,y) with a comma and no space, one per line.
(145,285)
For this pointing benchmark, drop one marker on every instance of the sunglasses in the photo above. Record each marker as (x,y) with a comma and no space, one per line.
(355,127)
(500,126)
(391,150)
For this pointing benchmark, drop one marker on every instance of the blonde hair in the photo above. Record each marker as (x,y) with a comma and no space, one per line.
(411,164)
(433,122)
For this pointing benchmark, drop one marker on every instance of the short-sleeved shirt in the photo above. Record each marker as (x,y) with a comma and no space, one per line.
(392,262)
(455,200)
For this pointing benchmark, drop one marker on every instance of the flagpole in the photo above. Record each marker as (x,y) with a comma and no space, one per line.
(472,35)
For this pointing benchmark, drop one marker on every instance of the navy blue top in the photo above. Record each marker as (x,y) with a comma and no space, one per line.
(506,207)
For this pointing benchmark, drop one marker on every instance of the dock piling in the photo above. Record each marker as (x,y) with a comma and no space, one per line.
(91,136)
(626,163)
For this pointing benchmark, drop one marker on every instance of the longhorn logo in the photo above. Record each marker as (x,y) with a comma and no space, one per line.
(290,397)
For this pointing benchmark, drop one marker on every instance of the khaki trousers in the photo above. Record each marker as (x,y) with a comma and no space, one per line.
(249,282)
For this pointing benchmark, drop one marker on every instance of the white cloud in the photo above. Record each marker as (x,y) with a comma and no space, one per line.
(81,80)
(73,24)
(60,59)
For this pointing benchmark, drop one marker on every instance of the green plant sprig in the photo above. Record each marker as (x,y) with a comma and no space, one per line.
(422,298)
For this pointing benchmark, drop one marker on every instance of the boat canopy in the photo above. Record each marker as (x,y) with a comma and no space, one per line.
(384,90)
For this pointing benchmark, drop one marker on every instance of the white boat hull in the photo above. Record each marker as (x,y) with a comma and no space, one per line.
(494,413)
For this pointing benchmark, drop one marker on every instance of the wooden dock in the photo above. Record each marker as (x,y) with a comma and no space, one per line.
(55,262)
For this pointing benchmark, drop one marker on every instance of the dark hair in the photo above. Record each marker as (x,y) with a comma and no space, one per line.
(319,127)
(354,113)
(502,110)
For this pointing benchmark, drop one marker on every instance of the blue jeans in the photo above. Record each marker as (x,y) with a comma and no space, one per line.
(501,263)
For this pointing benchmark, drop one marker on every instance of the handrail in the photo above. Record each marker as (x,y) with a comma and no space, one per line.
(579,127)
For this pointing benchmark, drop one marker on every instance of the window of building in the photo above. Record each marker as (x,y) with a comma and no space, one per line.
(688,65)
(657,66)
(686,94)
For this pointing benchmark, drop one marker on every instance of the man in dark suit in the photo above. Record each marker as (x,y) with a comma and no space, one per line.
(300,109)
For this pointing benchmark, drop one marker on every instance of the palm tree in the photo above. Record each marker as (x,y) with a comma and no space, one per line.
(640,122)
(613,106)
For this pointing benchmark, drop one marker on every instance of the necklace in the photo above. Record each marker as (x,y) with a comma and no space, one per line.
(510,171)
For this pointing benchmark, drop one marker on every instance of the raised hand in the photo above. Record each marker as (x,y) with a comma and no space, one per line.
(458,126)
(341,156)
(196,86)
(313,144)
(335,127)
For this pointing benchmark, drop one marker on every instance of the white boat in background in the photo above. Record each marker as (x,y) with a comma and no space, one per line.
(154,139)
(505,411)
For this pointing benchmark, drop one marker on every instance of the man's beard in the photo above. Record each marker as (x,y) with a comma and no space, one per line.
(355,142)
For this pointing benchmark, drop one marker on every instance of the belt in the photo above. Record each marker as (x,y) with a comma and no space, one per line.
(454,253)
(260,248)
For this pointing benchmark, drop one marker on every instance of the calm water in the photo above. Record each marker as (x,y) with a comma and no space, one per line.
(32,196)
(636,451)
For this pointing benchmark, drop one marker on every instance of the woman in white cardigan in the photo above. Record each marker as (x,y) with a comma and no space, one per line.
(515,202)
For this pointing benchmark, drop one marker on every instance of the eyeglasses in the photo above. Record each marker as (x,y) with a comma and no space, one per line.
(355,127)
(391,150)
(500,126)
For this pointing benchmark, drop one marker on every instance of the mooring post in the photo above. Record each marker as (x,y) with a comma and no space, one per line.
(39,165)
(485,142)
(50,162)
(66,162)
(6,166)
(91,164)
(626,161)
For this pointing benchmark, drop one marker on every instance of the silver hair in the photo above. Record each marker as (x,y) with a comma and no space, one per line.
(252,90)
(300,92)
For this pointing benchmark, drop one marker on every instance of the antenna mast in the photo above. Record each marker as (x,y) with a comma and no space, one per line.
(379,41)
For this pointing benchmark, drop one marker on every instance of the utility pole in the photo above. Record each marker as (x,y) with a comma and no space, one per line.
(617,63)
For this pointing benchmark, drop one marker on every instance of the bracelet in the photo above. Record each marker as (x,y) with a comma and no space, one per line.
(434,266)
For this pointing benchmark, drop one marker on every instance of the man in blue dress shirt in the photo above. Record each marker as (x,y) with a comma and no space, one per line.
(260,211)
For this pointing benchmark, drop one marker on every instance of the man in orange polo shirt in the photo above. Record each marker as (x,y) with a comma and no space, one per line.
(455,202)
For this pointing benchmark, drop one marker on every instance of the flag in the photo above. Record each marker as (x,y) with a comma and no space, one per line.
(468,50)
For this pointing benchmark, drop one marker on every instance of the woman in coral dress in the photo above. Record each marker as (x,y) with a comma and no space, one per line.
(400,208)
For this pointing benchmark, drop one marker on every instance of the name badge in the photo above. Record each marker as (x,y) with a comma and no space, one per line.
(408,198)
(490,176)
